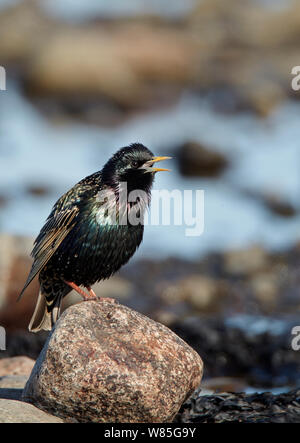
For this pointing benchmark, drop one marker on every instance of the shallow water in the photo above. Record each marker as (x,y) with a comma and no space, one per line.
(253,325)
(76,10)
(264,156)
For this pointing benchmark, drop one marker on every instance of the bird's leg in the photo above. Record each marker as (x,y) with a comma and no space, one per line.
(80,291)
(93,294)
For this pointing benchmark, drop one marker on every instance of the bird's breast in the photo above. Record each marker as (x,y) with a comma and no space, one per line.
(117,207)
(94,251)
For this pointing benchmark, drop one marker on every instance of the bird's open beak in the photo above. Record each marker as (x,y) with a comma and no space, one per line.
(148,165)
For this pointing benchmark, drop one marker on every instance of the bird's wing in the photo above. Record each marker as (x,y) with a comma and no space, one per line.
(57,227)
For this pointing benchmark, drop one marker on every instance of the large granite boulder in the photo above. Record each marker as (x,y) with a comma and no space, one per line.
(104,362)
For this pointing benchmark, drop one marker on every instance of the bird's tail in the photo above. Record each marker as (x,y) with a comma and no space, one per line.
(45,315)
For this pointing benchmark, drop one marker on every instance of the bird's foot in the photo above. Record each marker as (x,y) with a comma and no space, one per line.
(84,295)
(91,295)
(94,296)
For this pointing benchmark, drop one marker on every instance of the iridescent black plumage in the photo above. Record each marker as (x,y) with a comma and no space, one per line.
(78,242)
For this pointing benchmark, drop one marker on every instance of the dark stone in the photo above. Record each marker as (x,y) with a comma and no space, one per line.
(197,160)
(241,408)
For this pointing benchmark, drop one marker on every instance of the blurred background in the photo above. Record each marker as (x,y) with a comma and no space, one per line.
(205,81)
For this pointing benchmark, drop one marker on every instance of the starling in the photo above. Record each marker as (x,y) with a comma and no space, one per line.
(91,232)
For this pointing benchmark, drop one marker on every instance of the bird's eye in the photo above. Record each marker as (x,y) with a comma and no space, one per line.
(134,164)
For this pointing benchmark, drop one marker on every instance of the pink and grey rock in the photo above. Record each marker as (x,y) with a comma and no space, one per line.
(20,365)
(104,362)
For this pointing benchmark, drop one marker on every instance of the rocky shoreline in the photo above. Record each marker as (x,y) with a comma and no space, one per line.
(236,309)
(250,281)
(228,307)
(214,408)
(246,65)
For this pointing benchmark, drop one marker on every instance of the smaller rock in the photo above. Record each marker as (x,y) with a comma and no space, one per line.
(11,386)
(197,160)
(121,64)
(165,317)
(199,291)
(279,205)
(275,203)
(224,384)
(37,190)
(259,94)
(13,381)
(245,261)
(265,289)
(13,411)
(15,263)
(21,365)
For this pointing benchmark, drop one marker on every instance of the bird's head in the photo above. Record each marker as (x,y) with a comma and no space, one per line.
(133,165)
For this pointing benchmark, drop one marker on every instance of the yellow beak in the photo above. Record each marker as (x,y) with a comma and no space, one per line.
(155,160)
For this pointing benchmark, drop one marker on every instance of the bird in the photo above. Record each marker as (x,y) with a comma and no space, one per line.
(93,229)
